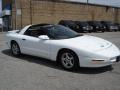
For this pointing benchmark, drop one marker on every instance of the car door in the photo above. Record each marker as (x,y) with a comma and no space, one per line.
(32,45)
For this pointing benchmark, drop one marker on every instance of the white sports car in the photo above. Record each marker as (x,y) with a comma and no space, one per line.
(58,43)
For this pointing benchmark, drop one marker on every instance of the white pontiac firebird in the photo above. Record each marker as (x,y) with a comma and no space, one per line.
(58,43)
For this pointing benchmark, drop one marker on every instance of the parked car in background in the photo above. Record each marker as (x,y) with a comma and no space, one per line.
(118,24)
(97,26)
(1,27)
(110,26)
(84,26)
(70,24)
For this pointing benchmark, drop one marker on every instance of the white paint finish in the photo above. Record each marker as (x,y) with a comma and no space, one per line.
(86,47)
(35,46)
(24,29)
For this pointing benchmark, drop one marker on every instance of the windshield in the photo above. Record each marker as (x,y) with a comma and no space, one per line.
(61,32)
(109,23)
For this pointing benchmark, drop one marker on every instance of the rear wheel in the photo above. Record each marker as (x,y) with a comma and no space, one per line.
(69,60)
(15,49)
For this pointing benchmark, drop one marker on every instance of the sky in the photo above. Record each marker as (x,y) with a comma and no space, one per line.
(106,2)
(115,3)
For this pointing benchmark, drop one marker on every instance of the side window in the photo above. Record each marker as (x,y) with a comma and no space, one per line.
(34,32)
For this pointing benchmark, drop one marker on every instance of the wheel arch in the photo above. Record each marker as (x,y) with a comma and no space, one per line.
(63,50)
(15,42)
(12,41)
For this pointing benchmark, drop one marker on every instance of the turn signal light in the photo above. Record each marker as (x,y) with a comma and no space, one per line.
(97,61)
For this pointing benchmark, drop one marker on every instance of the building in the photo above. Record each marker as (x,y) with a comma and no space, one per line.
(6,14)
(24,12)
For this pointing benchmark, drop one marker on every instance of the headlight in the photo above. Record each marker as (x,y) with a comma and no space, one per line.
(91,27)
(111,27)
(97,27)
(84,27)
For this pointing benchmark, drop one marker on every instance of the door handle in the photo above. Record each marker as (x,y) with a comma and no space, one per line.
(23,39)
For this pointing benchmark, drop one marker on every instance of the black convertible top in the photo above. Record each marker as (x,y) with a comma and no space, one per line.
(42,24)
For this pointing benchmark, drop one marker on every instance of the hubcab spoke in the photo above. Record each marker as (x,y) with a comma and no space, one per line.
(68,60)
(15,49)
(71,63)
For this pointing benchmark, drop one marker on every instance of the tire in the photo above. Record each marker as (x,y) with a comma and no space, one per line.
(69,60)
(103,31)
(15,49)
(89,32)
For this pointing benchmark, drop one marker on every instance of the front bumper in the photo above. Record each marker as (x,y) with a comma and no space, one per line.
(87,30)
(106,56)
(100,29)
(107,62)
(114,28)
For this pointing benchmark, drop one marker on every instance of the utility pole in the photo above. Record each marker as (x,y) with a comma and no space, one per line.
(87,1)
(12,14)
(21,11)
(15,14)
(87,4)
(30,12)
(116,14)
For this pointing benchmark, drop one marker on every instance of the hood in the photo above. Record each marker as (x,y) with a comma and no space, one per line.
(87,42)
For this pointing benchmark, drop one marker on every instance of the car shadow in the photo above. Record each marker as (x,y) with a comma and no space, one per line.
(52,64)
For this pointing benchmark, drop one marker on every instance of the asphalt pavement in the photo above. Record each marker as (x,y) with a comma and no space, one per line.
(33,73)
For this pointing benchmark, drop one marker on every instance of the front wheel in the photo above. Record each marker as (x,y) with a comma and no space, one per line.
(69,60)
(15,49)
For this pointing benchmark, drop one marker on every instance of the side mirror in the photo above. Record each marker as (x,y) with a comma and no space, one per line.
(43,37)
